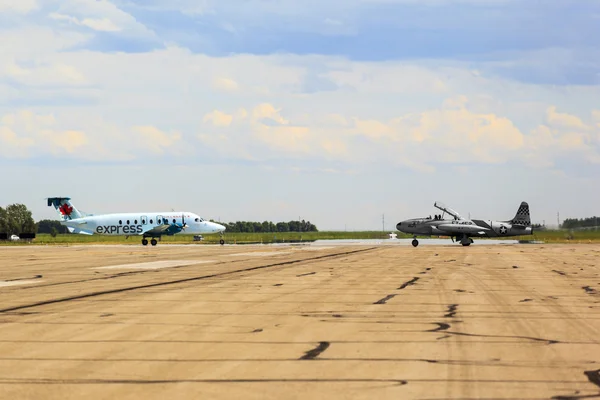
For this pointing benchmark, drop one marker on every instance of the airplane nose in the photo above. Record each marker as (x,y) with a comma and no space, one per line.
(402,226)
(218,227)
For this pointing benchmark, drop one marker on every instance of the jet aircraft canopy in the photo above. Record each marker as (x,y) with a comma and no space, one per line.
(447,210)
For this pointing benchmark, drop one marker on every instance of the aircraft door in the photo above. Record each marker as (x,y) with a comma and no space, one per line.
(159,220)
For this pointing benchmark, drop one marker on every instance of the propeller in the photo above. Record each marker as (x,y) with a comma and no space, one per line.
(183,224)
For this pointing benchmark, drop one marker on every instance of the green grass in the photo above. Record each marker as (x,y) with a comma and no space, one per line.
(549,236)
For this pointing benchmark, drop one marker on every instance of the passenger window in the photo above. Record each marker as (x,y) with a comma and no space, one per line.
(127,222)
(135,222)
(151,221)
(173,220)
(120,222)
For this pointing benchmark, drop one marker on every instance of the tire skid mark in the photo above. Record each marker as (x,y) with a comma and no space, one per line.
(47,381)
(177,281)
(408,283)
(308,273)
(442,326)
(589,290)
(593,376)
(535,339)
(451,311)
(314,353)
(24,279)
(385,299)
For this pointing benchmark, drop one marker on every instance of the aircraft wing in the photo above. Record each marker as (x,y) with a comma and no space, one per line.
(457,229)
(447,210)
(161,229)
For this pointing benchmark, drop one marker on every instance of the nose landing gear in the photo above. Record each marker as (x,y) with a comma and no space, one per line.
(415,242)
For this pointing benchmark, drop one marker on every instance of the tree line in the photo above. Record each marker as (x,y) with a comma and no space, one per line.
(268,226)
(572,223)
(16,219)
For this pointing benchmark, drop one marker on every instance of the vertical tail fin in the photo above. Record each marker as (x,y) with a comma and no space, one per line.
(64,207)
(522,217)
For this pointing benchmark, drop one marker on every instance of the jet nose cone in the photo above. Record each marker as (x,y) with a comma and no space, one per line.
(218,227)
(402,226)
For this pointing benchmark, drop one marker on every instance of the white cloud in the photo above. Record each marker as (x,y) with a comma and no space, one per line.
(25,133)
(154,139)
(50,74)
(218,118)
(98,15)
(391,113)
(225,84)
(19,6)
(98,24)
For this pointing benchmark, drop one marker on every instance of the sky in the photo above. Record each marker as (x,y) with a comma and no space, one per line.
(353,114)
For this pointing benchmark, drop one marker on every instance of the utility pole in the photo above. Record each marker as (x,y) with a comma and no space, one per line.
(558,219)
(382,222)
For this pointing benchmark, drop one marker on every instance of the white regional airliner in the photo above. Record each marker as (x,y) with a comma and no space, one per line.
(147,225)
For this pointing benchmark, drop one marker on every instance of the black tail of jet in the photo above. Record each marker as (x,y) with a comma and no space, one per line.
(522,217)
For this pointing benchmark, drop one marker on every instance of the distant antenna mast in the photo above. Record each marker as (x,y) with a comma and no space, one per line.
(383,222)
(558,219)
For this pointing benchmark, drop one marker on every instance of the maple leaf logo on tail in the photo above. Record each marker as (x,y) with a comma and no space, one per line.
(65,210)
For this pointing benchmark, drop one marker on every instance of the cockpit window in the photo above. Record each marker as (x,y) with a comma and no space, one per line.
(199,219)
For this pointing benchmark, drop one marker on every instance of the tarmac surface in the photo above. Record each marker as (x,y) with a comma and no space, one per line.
(272,322)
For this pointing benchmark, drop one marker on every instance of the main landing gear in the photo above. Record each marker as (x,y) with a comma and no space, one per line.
(466,241)
(145,242)
(415,242)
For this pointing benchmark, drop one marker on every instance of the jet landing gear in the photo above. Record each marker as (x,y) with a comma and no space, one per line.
(466,241)
(415,242)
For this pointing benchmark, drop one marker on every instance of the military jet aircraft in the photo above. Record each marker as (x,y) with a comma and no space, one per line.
(463,229)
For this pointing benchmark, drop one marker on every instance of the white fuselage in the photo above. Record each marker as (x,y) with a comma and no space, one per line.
(130,224)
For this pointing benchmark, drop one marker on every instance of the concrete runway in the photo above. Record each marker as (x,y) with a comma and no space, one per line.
(274,322)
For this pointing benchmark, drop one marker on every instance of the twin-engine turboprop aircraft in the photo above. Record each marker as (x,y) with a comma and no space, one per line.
(463,229)
(148,225)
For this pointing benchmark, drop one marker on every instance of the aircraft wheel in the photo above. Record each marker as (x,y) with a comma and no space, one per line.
(154,242)
(415,242)
(222,242)
(145,242)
